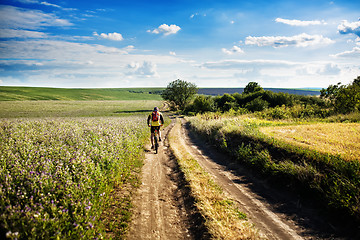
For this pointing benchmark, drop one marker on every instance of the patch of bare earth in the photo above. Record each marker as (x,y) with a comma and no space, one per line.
(163,208)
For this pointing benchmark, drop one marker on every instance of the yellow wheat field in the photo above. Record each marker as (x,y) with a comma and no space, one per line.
(333,138)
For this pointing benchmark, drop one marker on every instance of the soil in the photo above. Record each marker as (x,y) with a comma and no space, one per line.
(163,205)
(164,208)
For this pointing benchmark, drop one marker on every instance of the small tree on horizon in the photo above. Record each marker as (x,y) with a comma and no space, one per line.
(252,87)
(179,93)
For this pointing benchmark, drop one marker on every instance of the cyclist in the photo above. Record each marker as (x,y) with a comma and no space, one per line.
(155,120)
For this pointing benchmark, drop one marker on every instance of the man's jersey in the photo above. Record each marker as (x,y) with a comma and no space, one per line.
(155,119)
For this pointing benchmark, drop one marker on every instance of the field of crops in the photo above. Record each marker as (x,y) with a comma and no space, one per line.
(334,138)
(56,174)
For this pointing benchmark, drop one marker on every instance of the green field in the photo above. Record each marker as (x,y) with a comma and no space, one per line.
(15,109)
(37,93)
(61,160)
(57,175)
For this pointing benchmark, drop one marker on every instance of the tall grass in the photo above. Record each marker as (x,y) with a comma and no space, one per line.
(331,178)
(56,175)
(222,217)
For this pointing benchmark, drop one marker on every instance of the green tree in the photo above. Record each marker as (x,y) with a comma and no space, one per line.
(179,93)
(252,87)
(348,99)
(331,92)
(344,98)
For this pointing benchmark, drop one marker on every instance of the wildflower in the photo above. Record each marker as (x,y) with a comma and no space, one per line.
(12,235)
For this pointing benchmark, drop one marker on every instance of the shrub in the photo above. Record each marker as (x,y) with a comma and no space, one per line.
(258,104)
(203,104)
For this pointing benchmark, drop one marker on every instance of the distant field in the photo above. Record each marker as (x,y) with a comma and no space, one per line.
(36,93)
(334,138)
(16,109)
(71,94)
(222,91)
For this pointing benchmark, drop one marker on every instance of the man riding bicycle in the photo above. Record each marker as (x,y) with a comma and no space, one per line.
(155,120)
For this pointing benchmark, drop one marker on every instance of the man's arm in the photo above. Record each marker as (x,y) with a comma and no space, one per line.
(148,119)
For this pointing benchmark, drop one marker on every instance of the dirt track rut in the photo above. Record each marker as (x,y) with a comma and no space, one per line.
(160,211)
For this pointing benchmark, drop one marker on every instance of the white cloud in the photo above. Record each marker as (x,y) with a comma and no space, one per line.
(12,33)
(329,69)
(129,48)
(110,36)
(233,50)
(15,18)
(319,69)
(197,14)
(349,27)
(295,22)
(44,3)
(354,53)
(247,64)
(146,69)
(275,67)
(166,29)
(193,15)
(301,40)
(49,49)
(50,4)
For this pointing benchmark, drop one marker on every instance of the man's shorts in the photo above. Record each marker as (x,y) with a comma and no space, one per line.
(152,129)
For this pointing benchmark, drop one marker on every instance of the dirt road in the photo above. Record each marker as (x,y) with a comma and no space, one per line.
(163,209)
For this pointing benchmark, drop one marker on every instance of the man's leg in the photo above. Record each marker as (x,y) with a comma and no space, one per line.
(159,135)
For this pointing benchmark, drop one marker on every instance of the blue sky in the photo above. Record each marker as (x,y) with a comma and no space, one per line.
(224,43)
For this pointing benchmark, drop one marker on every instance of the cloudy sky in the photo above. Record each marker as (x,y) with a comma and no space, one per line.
(212,43)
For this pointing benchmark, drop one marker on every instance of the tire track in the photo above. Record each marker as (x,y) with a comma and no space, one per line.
(160,211)
(253,196)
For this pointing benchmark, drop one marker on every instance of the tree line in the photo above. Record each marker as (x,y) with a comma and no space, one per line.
(335,99)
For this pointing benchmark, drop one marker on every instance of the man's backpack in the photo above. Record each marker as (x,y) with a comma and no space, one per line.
(155,116)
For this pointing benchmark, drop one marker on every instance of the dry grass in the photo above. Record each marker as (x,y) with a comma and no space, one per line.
(335,138)
(223,219)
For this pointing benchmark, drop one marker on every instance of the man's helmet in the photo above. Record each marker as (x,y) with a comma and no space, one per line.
(156,109)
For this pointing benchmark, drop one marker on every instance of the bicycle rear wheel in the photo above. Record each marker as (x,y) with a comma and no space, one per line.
(156,144)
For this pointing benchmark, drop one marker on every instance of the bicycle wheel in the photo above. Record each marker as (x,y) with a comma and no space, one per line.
(156,144)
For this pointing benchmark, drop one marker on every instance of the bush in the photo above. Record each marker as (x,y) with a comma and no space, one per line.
(203,104)
(257,104)
(224,100)
(279,113)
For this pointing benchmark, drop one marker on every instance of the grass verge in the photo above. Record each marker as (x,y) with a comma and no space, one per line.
(328,179)
(222,217)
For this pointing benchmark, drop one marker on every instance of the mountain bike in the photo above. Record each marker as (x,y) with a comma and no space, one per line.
(156,141)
